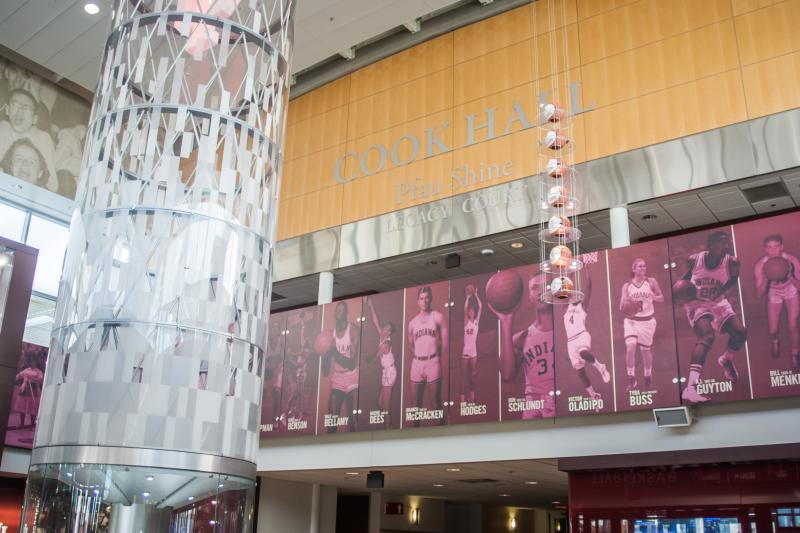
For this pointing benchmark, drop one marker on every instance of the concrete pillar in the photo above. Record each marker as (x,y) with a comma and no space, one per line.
(375,509)
(325,293)
(313,526)
(620,231)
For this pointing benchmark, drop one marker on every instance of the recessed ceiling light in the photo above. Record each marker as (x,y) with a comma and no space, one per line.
(145,494)
(96,491)
(453,469)
(438,485)
(69,474)
(517,245)
(221,485)
(556,503)
(91,8)
(531,482)
(149,478)
(190,498)
(213,502)
(504,495)
(351,473)
(487,251)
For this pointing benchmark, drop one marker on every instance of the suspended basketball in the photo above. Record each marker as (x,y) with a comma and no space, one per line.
(557,196)
(555,140)
(777,269)
(560,255)
(556,169)
(553,113)
(683,291)
(558,226)
(504,291)
(562,288)
(323,343)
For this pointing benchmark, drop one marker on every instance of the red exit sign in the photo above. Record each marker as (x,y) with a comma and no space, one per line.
(393,508)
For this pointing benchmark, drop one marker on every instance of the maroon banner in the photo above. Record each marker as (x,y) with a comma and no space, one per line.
(381,364)
(273,376)
(527,369)
(583,345)
(710,334)
(426,355)
(26,396)
(338,345)
(769,252)
(301,372)
(645,358)
(474,357)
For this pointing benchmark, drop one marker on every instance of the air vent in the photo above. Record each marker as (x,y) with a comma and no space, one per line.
(478,481)
(277,297)
(763,193)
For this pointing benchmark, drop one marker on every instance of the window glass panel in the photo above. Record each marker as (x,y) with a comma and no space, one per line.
(50,239)
(13,222)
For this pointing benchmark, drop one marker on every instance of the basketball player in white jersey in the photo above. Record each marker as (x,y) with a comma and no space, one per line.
(713,272)
(427,336)
(296,362)
(639,327)
(779,294)
(385,355)
(531,349)
(469,354)
(344,378)
(579,342)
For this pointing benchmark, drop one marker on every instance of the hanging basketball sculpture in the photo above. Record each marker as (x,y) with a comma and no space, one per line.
(558,181)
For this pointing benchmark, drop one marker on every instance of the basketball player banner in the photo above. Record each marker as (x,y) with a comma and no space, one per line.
(709,316)
(301,372)
(584,352)
(381,363)
(474,357)
(527,347)
(273,376)
(645,357)
(768,251)
(426,355)
(709,328)
(338,347)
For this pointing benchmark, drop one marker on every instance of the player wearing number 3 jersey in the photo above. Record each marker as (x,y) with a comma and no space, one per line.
(533,349)
(713,272)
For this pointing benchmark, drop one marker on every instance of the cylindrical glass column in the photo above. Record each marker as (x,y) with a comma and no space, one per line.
(152,394)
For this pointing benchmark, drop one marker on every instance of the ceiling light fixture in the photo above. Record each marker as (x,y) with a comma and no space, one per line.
(453,469)
(190,498)
(531,482)
(91,8)
(438,485)
(517,245)
(504,495)
(351,473)
(149,478)
(649,217)
(487,251)
(145,494)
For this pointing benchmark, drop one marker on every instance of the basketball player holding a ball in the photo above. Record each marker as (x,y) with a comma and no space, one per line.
(427,335)
(344,356)
(776,278)
(639,325)
(385,354)
(579,342)
(711,273)
(531,348)
(469,354)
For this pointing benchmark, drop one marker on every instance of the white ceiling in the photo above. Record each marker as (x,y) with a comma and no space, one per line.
(419,480)
(62,37)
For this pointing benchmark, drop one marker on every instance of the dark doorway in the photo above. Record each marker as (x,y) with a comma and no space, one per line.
(352,514)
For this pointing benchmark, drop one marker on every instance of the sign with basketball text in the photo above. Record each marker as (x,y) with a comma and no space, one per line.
(769,252)
(527,347)
(584,353)
(474,354)
(710,333)
(645,358)
(301,371)
(273,376)
(339,347)
(381,363)
(426,355)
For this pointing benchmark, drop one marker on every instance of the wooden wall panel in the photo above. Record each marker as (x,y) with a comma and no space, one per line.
(553,55)
(772,86)
(317,133)
(492,34)
(590,8)
(307,213)
(329,96)
(680,59)
(493,72)
(403,103)
(403,67)
(310,173)
(744,6)
(644,22)
(564,13)
(769,32)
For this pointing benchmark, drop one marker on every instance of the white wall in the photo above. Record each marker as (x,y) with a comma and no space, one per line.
(717,426)
(15,462)
(284,506)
